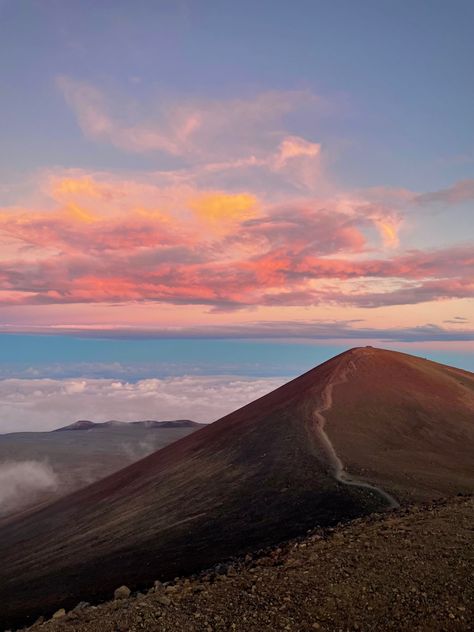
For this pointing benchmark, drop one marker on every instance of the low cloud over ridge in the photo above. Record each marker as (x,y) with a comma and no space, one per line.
(24,482)
(45,404)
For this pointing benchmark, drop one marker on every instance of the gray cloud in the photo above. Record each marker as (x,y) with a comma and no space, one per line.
(459,192)
(24,482)
(343,330)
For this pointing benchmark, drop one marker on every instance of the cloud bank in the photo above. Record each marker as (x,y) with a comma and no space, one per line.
(45,404)
(221,250)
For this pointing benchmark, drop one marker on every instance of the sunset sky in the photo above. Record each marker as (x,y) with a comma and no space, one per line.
(179,176)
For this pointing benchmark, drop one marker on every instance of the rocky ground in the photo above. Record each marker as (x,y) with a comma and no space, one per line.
(409,570)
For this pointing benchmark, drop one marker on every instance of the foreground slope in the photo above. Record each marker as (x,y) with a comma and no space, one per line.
(409,570)
(264,473)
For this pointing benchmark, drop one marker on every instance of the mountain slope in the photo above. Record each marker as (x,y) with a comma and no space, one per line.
(264,473)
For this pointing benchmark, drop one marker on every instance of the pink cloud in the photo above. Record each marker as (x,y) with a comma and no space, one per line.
(103,240)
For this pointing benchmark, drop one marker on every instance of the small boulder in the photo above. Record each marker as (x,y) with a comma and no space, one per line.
(163,600)
(122,593)
(59,614)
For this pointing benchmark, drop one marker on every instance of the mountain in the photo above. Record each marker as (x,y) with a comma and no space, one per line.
(364,431)
(85,424)
(81,424)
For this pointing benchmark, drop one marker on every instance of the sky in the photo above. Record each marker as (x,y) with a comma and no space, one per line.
(194,190)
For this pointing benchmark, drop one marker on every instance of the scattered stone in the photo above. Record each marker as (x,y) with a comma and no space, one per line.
(163,600)
(59,614)
(331,585)
(122,593)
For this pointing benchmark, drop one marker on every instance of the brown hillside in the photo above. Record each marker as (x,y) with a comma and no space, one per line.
(409,570)
(262,474)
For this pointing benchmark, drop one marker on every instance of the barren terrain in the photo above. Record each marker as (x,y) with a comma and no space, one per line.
(411,570)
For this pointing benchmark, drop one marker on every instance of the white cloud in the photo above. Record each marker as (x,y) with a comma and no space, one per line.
(45,404)
(23,482)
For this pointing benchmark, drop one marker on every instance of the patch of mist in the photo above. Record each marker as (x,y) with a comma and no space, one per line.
(136,451)
(22,483)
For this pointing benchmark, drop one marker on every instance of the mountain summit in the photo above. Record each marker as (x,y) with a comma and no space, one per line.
(364,431)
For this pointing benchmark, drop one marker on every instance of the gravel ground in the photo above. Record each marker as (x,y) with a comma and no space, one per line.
(410,570)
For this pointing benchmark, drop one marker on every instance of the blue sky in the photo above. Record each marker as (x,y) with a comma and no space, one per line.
(56,356)
(399,72)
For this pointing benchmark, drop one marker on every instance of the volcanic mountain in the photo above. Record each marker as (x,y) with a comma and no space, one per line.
(364,431)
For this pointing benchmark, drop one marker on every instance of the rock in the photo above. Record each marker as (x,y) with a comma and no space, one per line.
(59,614)
(122,593)
(221,569)
(163,600)
(81,605)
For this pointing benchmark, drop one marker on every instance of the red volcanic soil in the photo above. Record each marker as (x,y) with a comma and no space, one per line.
(399,427)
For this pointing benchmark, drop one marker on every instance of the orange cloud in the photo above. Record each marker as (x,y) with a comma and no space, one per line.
(223,209)
(108,241)
(388,229)
(76,186)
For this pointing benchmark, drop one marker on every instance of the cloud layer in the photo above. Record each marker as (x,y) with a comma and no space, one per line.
(247,218)
(45,404)
(121,242)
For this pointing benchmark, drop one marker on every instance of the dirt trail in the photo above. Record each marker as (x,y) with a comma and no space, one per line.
(334,462)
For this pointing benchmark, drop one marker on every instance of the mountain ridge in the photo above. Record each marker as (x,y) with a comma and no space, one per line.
(86,424)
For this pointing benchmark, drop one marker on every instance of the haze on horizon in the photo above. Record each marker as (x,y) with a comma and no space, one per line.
(185,176)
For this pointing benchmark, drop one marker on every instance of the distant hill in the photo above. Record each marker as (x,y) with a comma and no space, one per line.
(85,424)
(363,432)
(69,458)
